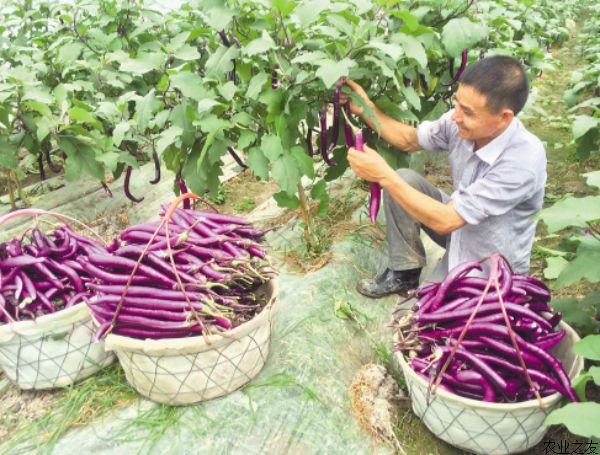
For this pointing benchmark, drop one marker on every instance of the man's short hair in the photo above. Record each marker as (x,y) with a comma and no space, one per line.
(501,79)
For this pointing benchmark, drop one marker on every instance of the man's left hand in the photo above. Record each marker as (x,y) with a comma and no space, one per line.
(368,165)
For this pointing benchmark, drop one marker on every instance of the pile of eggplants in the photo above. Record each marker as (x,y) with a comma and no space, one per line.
(466,318)
(205,282)
(43,273)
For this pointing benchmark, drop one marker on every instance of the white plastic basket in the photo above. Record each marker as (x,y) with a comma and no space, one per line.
(488,428)
(181,371)
(52,351)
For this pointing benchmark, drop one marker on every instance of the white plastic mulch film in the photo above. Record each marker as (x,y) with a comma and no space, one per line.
(190,370)
(488,428)
(54,351)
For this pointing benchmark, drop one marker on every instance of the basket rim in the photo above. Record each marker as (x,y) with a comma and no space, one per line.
(447,396)
(194,344)
(45,323)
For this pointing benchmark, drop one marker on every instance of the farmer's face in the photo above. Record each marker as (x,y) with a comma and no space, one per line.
(474,120)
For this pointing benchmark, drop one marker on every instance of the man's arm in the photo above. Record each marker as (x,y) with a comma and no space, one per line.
(369,165)
(395,133)
(440,217)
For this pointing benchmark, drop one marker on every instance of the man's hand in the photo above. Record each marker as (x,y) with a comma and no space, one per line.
(354,108)
(369,165)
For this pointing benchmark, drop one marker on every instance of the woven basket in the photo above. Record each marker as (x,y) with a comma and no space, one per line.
(488,428)
(181,371)
(53,351)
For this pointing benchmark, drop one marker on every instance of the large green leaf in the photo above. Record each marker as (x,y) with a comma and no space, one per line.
(145,108)
(571,212)
(330,71)
(69,52)
(593,178)
(285,171)
(221,61)
(8,154)
(304,162)
(187,52)
(580,418)
(80,158)
(78,114)
(271,147)
(144,63)
(309,11)
(588,347)
(167,138)
(286,200)
(461,33)
(585,265)
(119,132)
(258,162)
(584,123)
(259,45)
(413,48)
(574,313)
(189,84)
(555,265)
(256,84)
(393,50)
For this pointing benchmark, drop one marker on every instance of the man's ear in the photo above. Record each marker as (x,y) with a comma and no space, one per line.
(507,116)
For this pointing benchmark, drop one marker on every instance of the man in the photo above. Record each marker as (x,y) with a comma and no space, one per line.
(498,171)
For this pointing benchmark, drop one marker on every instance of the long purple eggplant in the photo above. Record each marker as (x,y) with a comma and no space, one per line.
(375,200)
(463,65)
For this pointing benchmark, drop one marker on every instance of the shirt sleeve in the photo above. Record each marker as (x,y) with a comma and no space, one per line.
(435,136)
(500,190)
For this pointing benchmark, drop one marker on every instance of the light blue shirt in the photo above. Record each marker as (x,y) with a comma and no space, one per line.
(497,189)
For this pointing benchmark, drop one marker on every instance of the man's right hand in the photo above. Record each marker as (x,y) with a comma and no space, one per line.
(356,88)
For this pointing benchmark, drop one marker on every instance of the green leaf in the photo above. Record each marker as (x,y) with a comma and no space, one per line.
(584,123)
(330,71)
(189,84)
(412,48)
(8,154)
(461,33)
(411,96)
(111,160)
(393,50)
(38,94)
(580,418)
(588,347)
(593,178)
(260,45)
(144,63)
(78,114)
(246,138)
(555,265)
(286,200)
(80,158)
(187,53)
(145,108)
(119,132)
(42,108)
(219,17)
(304,162)
(271,147)
(256,85)
(319,192)
(285,171)
(309,11)
(571,212)
(227,90)
(206,105)
(585,265)
(167,137)
(574,313)
(44,125)
(69,53)
(258,162)
(221,62)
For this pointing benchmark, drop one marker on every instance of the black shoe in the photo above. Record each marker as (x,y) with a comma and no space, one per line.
(389,282)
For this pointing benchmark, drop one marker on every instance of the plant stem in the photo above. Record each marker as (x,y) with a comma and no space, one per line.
(308,222)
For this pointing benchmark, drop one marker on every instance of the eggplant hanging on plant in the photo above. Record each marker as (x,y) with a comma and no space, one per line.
(463,65)
(53,167)
(40,161)
(130,196)
(424,85)
(237,158)
(323,139)
(156,178)
(309,143)
(335,132)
